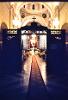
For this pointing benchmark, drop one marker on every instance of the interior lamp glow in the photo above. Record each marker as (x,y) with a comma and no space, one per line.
(16,22)
(24,37)
(33,35)
(56,22)
(56,3)
(12,3)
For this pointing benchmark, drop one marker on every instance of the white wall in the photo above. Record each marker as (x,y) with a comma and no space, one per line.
(4,13)
(64,14)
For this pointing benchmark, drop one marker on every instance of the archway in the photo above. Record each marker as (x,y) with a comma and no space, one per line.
(65,27)
(25,13)
(34,32)
(37,19)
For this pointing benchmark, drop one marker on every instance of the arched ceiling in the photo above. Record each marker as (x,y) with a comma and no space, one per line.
(46,10)
(38,6)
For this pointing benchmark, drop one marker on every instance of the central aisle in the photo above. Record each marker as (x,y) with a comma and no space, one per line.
(37,89)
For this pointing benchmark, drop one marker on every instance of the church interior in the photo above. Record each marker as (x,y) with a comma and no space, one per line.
(34,50)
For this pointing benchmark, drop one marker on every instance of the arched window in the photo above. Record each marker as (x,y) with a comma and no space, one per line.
(33,6)
(42,6)
(24,6)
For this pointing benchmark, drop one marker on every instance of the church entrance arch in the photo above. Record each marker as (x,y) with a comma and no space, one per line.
(35,18)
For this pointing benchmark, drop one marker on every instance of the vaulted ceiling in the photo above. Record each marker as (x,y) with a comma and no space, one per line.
(36,7)
(47,10)
(24,12)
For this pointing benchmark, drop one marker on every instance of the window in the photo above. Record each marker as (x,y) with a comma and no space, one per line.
(44,15)
(33,6)
(24,6)
(42,6)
